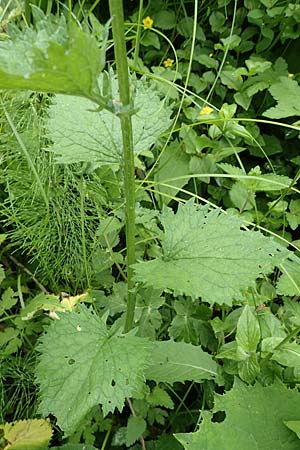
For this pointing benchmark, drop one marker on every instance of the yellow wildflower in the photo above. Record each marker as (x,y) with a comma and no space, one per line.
(168,62)
(206,110)
(290,75)
(148,22)
(211,55)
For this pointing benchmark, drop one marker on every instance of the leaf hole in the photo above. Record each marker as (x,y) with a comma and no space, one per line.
(113,383)
(218,416)
(71,361)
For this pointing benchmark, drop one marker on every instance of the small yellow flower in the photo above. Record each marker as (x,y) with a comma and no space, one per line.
(211,55)
(206,110)
(168,62)
(291,75)
(148,22)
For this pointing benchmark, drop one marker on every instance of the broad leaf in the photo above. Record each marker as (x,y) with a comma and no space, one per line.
(255,417)
(82,364)
(53,57)
(177,361)
(287,94)
(206,254)
(289,281)
(174,162)
(80,133)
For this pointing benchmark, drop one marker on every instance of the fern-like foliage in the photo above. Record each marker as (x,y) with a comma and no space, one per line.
(206,254)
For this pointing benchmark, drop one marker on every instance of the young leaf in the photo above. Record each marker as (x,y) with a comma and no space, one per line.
(54,57)
(207,255)
(80,133)
(32,434)
(255,418)
(136,426)
(248,332)
(159,397)
(247,339)
(177,361)
(83,364)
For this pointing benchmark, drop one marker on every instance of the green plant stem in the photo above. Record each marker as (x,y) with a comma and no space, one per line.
(138,35)
(116,12)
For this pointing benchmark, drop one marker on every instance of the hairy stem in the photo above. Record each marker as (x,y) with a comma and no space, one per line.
(116,12)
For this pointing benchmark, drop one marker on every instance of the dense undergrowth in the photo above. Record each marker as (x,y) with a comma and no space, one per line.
(191,341)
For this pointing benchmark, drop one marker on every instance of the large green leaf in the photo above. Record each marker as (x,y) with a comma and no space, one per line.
(289,281)
(53,57)
(287,94)
(83,364)
(255,417)
(80,133)
(206,254)
(177,361)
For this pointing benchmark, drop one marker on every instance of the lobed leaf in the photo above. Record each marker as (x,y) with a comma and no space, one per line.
(206,254)
(83,364)
(255,420)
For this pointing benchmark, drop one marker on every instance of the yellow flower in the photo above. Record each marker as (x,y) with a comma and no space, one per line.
(148,22)
(206,110)
(168,62)
(211,55)
(290,75)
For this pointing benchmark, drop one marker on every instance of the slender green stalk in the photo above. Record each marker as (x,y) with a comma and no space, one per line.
(138,35)
(117,15)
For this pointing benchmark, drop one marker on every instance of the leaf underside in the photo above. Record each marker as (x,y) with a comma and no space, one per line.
(81,134)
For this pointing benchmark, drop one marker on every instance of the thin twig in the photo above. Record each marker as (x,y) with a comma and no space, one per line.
(143,444)
(17,263)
